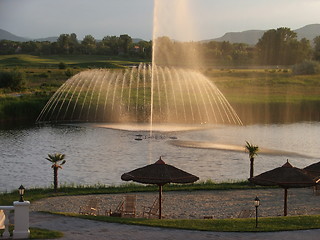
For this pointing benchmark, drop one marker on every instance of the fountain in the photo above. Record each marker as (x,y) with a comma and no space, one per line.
(157,93)
(181,96)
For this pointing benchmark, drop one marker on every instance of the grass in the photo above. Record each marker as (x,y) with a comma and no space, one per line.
(39,233)
(52,61)
(265,86)
(257,95)
(265,224)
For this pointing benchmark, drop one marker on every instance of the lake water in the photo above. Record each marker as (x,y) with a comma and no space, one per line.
(96,154)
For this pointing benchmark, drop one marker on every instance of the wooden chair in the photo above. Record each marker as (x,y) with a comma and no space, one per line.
(129,206)
(126,208)
(2,218)
(116,212)
(91,208)
(246,213)
(152,210)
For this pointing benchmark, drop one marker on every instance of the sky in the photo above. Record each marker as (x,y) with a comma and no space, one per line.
(99,18)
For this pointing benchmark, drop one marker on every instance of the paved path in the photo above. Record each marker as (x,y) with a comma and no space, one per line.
(78,229)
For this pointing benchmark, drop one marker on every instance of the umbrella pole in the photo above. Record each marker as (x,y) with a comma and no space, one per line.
(160,200)
(285,201)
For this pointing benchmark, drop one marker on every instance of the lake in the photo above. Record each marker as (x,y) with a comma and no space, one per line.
(99,154)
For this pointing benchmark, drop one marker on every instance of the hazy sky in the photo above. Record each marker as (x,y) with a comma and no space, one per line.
(210,18)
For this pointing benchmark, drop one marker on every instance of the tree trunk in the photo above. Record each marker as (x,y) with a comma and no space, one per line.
(55,178)
(251,167)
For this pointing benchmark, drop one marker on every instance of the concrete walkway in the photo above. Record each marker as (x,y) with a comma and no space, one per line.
(78,229)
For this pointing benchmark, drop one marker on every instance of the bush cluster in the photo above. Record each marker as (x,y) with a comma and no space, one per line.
(13,80)
(306,68)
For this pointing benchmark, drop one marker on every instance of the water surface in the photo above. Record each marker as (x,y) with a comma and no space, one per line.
(100,155)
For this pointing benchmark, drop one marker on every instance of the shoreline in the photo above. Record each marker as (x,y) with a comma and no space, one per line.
(218,204)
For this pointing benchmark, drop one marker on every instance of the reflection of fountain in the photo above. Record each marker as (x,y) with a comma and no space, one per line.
(179,96)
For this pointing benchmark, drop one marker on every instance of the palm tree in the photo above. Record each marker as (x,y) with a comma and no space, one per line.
(253,151)
(56,158)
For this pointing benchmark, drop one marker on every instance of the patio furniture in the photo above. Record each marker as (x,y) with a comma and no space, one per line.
(117,211)
(129,206)
(126,208)
(152,210)
(91,208)
(246,213)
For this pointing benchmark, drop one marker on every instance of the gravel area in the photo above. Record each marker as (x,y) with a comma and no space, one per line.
(196,204)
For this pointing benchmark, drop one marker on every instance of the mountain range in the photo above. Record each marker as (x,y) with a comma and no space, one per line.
(250,37)
(5,35)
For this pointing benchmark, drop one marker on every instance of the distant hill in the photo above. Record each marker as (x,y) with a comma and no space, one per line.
(5,35)
(49,39)
(309,32)
(252,37)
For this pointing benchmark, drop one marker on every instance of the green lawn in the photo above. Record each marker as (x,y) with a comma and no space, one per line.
(52,61)
(39,233)
(266,86)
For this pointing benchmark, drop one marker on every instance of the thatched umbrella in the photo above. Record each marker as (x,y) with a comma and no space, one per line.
(313,169)
(286,177)
(159,173)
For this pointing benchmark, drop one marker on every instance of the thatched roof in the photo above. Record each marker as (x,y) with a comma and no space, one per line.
(313,170)
(159,173)
(285,176)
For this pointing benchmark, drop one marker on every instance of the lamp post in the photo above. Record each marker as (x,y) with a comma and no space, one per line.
(256,204)
(21,192)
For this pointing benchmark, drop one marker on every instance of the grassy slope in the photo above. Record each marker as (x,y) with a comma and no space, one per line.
(43,78)
(266,86)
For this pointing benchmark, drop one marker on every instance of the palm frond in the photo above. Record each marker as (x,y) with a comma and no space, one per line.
(252,149)
(56,158)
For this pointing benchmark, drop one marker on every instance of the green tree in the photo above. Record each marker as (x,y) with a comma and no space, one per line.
(73,43)
(88,44)
(253,151)
(8,47)
(63,42)
(57,160)
(281,47)
(316,54)
(113,43)
(125,43)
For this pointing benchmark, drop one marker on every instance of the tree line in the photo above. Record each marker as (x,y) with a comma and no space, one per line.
(68,44)
(276,47)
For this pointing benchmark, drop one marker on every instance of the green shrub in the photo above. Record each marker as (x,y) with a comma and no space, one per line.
(42,75)
(13,80)
(62,65)
(69,73)
(306,68)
